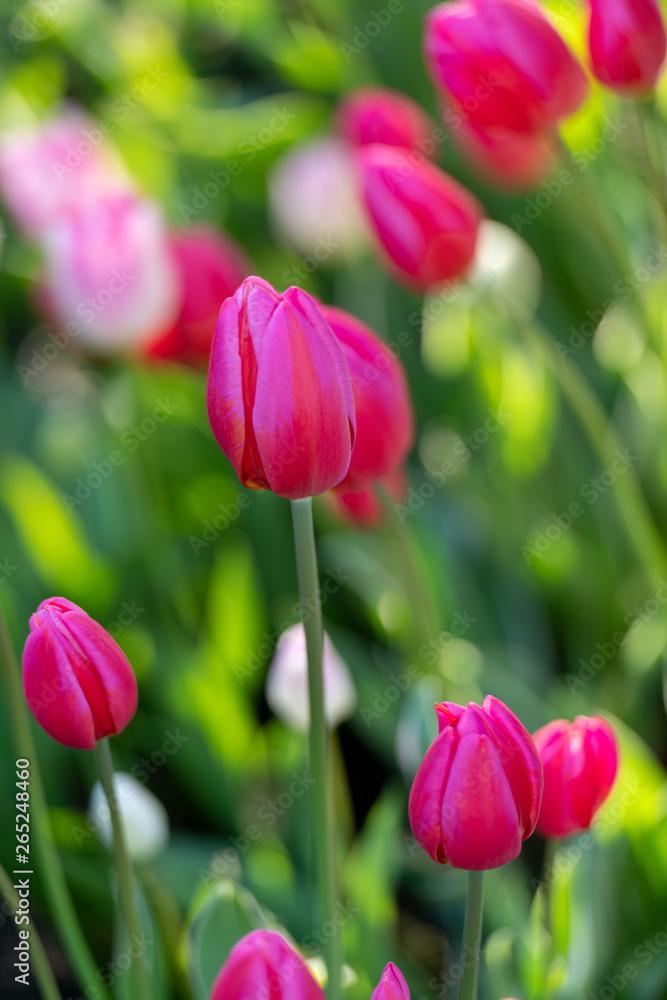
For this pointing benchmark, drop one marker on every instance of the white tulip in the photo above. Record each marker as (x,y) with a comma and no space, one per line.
(287,682)
(143,817)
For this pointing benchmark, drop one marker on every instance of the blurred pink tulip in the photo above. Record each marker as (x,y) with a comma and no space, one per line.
(211,267)
(287,682)
(425,222)
(109,270)
(47,171)
(357,501)
(263,965)
(503,64)
(392,985)
(385,419)
(627,44)
(78,682)
(279,395)
(379,115)
(580,761)
(477,792)
(511,160)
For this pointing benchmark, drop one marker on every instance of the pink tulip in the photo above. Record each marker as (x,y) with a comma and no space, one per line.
(47,171)
(580,761)
(357,501)
(109,271)
(503,64)
(385,419)
(510,160)
(211,267)
(78,682)
(627,44)
(378,115)
(477,792)
(392,985)
(263,966)
(425,222)
(279,396)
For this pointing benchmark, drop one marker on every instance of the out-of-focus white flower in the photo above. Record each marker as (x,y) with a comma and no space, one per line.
(287,682)
(314,200)
(110,271)
(50,169)
(143,816)
(506,267)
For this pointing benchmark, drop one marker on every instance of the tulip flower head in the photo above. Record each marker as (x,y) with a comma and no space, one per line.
(379,115)
(287,682)
(210,266)
(627,44)
(424,221)
(502,64)
(385,419)
(392,985)
(477,793)
(144,818)
(580,761)
(279,395)
(78,682)
(263,964)
(511,160)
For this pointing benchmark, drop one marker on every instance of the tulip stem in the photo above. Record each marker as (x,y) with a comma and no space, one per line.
(126,883)
(49,867)
(319,739)
(472,936)
(48,986)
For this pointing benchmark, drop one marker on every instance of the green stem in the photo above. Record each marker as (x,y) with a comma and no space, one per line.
(472,936)
(320,756)
(50,869)
(594,419)
(48,986)
(124,869)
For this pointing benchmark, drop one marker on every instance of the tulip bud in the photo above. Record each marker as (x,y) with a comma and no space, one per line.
(211,266)
(627,44)
(477,792)
(392,985)
(48,171)
(357,500)
(110,272)
(378,115)
(385,419)
(143,817)
(263,964)
(502,64)
(279,393)
(425,222)
(511,160)
(78,682)
(287,682)
(314,202)
(580,761)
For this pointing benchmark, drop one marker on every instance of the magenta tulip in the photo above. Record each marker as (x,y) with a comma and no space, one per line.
(378,115)
(510,160)
(501,63)
(385,419)
(358,502)
(78,682)
(263,966)
(211,266)
(627,44)
(580,761)
(392,985)
(477,792)
(425,222)
(279,395)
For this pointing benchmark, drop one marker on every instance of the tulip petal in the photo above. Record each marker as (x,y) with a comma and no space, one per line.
(392,985)
(224,391)
(523,764)
(263,964)
(53,693)
(427,792)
